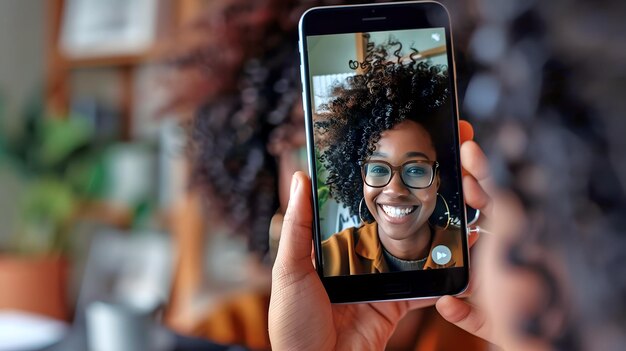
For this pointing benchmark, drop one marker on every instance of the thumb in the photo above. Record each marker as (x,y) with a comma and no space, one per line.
(465,316)
(300,315)
(296,235)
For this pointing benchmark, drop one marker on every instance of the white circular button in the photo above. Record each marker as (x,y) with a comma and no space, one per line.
(441,254)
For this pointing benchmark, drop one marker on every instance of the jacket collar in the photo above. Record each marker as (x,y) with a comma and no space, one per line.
(369,247)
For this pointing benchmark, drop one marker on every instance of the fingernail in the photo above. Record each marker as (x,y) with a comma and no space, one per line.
(294,184)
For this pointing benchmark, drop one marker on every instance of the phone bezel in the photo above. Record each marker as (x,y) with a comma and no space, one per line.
(388,17)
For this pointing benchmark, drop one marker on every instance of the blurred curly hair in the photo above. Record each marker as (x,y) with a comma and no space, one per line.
(250,67)
(239,73)
(388,92)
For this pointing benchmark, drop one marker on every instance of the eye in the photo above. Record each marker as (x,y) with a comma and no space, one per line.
(377,170)
(416,171)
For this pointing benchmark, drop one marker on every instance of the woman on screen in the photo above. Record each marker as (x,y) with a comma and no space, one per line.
(380,144)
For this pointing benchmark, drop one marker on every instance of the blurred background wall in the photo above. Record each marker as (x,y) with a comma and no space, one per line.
(18,85)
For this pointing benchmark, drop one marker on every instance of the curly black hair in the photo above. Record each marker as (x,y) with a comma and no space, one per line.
(388,92)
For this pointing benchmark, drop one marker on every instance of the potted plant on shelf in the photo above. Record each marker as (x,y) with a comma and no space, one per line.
(48,168)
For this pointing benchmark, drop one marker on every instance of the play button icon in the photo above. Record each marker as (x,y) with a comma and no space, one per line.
(441,254)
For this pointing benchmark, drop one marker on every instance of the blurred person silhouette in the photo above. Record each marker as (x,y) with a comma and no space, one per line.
(239,72)
(547,93)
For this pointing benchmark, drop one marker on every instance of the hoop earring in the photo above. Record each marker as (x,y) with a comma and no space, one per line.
(360,210)
(441,215)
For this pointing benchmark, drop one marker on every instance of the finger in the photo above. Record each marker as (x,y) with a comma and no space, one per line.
(476,164)
(464,316)
(476,196)
(466,131)
(296,235)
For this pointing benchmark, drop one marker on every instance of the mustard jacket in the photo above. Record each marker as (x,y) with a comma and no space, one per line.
(359,251)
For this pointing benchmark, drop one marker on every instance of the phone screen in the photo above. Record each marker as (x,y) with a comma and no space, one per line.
(384,160)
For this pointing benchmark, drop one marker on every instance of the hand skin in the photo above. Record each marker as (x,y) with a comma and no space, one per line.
(301,316)
(503,294)
(477,187)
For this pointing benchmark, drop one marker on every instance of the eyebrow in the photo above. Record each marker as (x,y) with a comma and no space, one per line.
(408,154)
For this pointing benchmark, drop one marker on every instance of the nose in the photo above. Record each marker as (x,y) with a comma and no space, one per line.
(396,186)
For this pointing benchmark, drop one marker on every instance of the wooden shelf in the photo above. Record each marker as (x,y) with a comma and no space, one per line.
(173,14)
(109,61)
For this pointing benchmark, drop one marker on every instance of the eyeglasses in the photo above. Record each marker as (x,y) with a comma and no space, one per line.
(414,174)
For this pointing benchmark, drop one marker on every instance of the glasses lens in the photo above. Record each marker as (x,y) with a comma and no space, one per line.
(417,174)
(376,174)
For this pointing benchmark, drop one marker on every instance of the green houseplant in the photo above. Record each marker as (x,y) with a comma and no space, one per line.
(52,165)
(58,166)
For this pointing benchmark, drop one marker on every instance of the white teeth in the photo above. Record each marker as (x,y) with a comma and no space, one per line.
(397,212)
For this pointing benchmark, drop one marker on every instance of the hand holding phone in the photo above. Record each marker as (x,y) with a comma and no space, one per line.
(301,316)
(301,313)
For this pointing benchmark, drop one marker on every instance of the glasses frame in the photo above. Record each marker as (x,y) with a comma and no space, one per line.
(395,169)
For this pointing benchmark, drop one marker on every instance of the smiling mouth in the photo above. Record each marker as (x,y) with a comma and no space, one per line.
(398,211)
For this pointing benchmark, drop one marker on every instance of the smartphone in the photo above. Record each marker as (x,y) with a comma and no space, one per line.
(380,104)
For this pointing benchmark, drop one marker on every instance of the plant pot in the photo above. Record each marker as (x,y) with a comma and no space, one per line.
(34,284)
